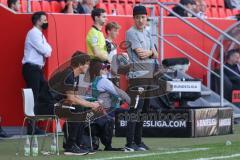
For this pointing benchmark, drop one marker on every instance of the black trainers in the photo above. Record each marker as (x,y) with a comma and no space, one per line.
(113,149)
(143,147)
(3,134)
(91,151)
(131,148)
(75,150)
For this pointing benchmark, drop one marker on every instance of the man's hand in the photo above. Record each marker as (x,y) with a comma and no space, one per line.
(95,106)
(143,54)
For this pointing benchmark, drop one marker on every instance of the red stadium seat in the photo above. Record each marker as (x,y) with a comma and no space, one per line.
(4,2)
(221,3)
(62,4)
(228,12)
(137,1)
(234,11)
(157,11)
(55,6)
(110,8)
(23,6)
(128,9)
(45,6)
(148,11)
(208,12)
(106,1)
(208,3)
(214,3)
(103,6)
(113,1)
(123,1)
(119,9)
(214,12)
(222,12)
(35,6)
(131,1)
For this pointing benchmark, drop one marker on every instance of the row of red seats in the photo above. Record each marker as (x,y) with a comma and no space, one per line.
(221,12)
(210,3)
(215,3)
(46,6)
(121,9)
(126,9)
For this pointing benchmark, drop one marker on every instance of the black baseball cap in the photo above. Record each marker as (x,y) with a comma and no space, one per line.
(137,10)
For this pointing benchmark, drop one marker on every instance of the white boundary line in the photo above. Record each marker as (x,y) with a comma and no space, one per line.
(219,157)
(152,154)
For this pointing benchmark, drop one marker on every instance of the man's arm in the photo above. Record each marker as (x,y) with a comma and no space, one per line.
(102,55)
(137,47)
(107,85)
(79,101)
(37,42)
(144,54)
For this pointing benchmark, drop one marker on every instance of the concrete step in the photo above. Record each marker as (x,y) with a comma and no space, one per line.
(206,93)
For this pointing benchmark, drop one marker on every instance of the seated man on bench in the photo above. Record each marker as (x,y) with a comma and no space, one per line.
(62,87)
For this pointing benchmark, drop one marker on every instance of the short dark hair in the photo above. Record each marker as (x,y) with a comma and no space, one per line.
(79,58)
(10,2)
(97,12)
(232,52)
(36,16)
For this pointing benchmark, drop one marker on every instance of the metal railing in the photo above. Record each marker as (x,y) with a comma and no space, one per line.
(195,47)
(162,40)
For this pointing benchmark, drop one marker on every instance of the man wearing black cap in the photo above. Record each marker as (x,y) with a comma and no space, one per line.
(142,56)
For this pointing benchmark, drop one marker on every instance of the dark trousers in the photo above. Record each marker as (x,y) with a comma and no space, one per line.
(134,126)
(44,109)
(74,135)
(34,78)
(105,126)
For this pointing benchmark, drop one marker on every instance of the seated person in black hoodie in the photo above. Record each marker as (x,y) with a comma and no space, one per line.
(190,4)
(232,60)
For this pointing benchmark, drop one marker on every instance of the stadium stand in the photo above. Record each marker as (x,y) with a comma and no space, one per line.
(128,9)
(120,9)
(222,12)
(46,6)
(56,6)
(215,8)
(229,12)
(35,6)
(23,6)
(4,2)
(214,12)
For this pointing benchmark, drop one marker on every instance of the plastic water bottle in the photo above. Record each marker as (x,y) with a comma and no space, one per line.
(53,147)
(35,147)
(228,143)
(27,147)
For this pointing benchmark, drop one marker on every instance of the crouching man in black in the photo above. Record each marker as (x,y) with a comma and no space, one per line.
(62,88)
